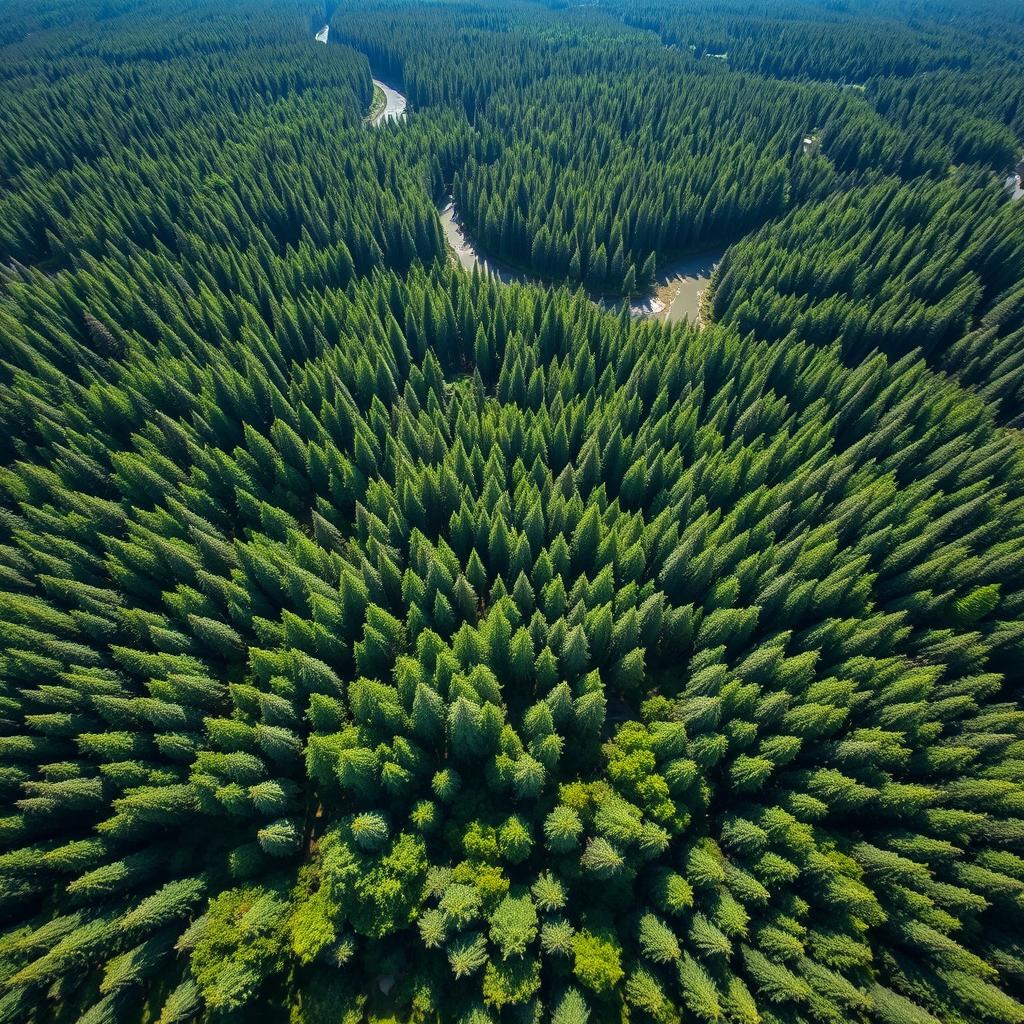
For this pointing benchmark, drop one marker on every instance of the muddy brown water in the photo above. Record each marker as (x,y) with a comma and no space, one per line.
(676,295)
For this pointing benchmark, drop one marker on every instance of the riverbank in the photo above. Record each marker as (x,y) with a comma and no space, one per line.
(377,104)
(388,104)
(394,103)
(677,294)
(465,253)
(682,283)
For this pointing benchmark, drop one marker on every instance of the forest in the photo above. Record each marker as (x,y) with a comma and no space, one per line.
(384,641)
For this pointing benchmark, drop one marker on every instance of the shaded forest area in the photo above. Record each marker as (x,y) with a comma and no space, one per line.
(384,643)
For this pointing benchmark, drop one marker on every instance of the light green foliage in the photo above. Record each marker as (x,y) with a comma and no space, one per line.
(513,926)
(548,893)
(385,890)
(562,827)
(571,1009)
(467,953)
(699,992)
(508,982)
(601,858)
(597,960)
(370,831)
(657,940)
(241,944)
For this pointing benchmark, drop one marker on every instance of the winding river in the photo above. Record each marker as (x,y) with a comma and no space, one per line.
(678,285)
(394,101)
(676,295)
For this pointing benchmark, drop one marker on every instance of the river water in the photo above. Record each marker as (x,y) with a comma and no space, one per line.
(681,284)
(678,286)
(394,108)
(468,257)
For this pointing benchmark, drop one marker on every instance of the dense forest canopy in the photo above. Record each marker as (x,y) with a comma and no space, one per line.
(896,267)
(385,642)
